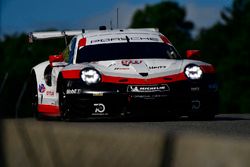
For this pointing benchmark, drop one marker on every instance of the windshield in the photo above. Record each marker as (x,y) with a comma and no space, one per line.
(135,50)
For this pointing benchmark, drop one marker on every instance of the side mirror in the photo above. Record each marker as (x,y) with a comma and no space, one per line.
(192,53)
(56,60)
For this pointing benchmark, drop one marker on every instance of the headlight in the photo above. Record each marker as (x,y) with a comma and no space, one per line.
(90,76)
(193,72)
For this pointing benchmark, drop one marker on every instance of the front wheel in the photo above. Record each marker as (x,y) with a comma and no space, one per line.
(63,104)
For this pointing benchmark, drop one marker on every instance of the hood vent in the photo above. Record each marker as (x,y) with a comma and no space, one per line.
(144,74)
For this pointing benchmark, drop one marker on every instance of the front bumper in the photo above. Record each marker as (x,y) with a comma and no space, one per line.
(112,100)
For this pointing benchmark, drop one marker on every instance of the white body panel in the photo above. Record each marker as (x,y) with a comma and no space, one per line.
(48,95)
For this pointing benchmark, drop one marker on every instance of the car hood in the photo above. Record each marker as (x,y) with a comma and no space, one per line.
(138,68)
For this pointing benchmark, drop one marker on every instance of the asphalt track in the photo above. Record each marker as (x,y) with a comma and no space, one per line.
(228,124)
(223,124)
(221,142)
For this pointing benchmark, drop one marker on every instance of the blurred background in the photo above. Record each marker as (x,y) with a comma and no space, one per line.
(220,29)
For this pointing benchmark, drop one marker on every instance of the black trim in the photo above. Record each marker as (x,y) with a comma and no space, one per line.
(179,98)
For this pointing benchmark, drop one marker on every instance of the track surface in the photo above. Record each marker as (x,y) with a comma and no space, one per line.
(224,124)
(28,142)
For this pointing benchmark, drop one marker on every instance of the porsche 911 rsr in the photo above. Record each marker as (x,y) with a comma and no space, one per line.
(119,73)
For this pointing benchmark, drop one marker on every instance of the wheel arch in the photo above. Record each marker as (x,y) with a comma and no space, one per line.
(59,82)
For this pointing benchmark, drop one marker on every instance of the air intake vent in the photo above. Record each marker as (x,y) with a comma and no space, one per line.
(144,74)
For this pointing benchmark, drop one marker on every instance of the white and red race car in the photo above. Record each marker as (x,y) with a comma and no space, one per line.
(117,73)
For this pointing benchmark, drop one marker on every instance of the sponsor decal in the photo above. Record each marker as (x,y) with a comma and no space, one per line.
(73,91)
(149,96)
(99,109)
(41,88)
(150,88)
(80,91)
(195,89)
(119,39)
(128,62)
(157,67)
(50,93)
(97,94)
(120,68)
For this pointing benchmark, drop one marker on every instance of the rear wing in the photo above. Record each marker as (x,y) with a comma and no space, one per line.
(53,34)
(63,34)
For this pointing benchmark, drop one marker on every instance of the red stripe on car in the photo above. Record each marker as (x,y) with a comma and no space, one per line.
(165,39)
(208,68)
(82,42)
(158,80)
(48,109)
(71,74)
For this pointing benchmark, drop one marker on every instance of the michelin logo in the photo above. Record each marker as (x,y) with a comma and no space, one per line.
(161,88)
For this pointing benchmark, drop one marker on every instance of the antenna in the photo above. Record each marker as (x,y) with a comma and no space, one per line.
(117,18)
(111,25)
(65,38)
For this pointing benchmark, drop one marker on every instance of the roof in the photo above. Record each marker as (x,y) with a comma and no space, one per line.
(120,36)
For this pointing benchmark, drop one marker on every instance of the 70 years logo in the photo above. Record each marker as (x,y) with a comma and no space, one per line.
(99,108)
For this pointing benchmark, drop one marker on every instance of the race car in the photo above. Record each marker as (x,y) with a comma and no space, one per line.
(120,73)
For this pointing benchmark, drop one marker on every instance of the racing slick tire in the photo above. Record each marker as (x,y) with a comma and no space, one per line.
(34,96)
(65,115)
